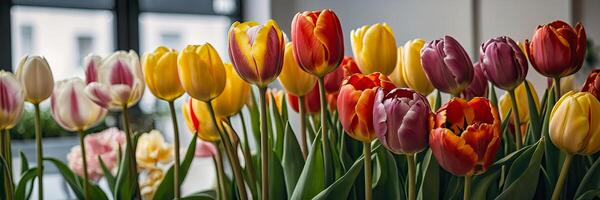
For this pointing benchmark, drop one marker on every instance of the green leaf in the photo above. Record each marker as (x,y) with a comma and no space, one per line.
(492,95)
(293,161)
(254,119)
(589,195)
(277,183)
(552,157)
(438,100)
(24,162)
(110,178)
(521,188)
(533,114)
(204,195)
(124,186)
(21,191)
(387,187)
(341,188)
(312,178)
(75,181)
(482,183)
(165,189)
(279,129)
(590,180)
(429,184)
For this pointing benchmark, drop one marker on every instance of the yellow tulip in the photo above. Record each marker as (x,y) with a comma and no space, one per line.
(201,71)
(567,84)
(396,76)
(575,123)
(293,79)
(198,120)
(234,96)
(505,102)
(374,48)
(412,70)
(152,149)
(160,72)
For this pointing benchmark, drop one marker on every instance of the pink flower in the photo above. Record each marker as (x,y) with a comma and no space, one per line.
(104,144)
(205,149)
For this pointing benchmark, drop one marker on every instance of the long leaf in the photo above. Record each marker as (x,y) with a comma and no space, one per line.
(23,185)
(482,184)
(388,186)
(552,157)
(341,188)
(590,180)
(521,188)
(165,189)
(75,181)
(24,162)
(312,178)
(279,129)
(292,162)
(124,187)
(533,114)
(429,184)
(110,178)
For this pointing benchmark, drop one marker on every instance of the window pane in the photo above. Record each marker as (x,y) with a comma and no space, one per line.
(64,36)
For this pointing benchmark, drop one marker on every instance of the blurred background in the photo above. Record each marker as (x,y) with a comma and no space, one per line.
(65,31)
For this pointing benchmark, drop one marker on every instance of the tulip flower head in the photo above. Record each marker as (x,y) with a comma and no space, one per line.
(556,49)
(355,103)
(312,101)
(318,41)
(479,85)
(11,103)
(413,73)
(256,51)
(396,76)
(592,84)
(402,120)
(350,66)
(36,78)
(293,78)
(201,71)
(72,109)
(161,74)
(333,80)
(466,136)
(575,123)
(374,48)
(198,120)
(153,179)
(152,149)
(503,62)
(447,65)
(505,103)
(116,81)
(234,96)
(103,145)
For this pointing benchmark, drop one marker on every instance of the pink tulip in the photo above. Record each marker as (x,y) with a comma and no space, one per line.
(205,149)
(105,145)
(11,103)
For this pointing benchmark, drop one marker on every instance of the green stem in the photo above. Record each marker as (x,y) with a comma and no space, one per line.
(8,181)
(410,158)
(557,88)
(220,171)
(131,147)
(177,158)
(248,159)
(325,134)
(8,152)
(467,192)
(231,154)
(264,144)
(368,171)
(563,175)
(39,151)
(517,118)
(86,184)
(303,126)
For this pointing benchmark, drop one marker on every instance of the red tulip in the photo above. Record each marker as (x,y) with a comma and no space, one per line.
(332,101)
(556,49)
(350,66)
(318,41)
(312,101)
(466,136)
(355,103)
(592,84)
(333,80)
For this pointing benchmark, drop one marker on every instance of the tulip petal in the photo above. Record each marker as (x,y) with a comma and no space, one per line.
(308,49)
(329,33)
(484,139)
(452,152)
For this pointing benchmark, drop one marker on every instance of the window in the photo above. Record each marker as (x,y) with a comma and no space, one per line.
(26,39)
(84,47)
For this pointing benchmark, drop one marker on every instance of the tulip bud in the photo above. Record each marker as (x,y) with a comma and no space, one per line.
(466,136)
(355,104)
(413,72)
(256,51)
(503,62)
(72,109)
(556,49)
(234,96)
(11,103)
(312,101)
(115,82)
(505,103)
(201,62)
(396,76)
(479,86)
(402,119)
(350,66)
(318,41)
(293,79)
(160,72)
(36,78)
(447,65)
(198,120)
(592,83)
(575,123)
(374,48)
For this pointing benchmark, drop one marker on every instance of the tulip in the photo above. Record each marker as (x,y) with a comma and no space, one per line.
(72,109)
(556,49)
(114,82)
(201,62)
(205,149)
(333,80)
(312,102)
(256,51)
(574,128)
(374,48)
(11,103)
(503,62)
(161,74)
(152,180)
(152,149)
(479,86)
(521,97)
(350,66)
(413,73)
(294,80)
(36,78)
(234,96)
(318,41)
(332,101)
(197,118)
(103,145)
(447,65)
(397,75)
(592,83)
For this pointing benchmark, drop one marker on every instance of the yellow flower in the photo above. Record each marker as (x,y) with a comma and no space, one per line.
(201,71)
(505,103)
(397,75)
(293,79)
(575,123)
(198,120)
(374,48)
(152,180)
(160,72)
(234,96)
(412,70)
(152,149)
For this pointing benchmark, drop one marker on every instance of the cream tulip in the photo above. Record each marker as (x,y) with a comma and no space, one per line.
(36,78)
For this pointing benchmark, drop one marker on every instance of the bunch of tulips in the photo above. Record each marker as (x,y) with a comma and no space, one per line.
(374,115)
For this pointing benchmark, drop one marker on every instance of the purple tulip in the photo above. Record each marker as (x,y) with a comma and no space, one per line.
(447,65)
(503,62)
(402,120)
(479,86)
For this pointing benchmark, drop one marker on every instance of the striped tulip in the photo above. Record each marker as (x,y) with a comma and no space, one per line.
(72,109)
(11,103)
(197,118)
